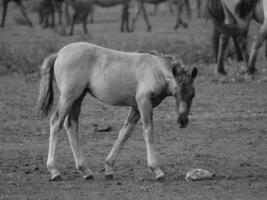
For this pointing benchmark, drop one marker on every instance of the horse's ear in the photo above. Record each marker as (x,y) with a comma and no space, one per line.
(194,73)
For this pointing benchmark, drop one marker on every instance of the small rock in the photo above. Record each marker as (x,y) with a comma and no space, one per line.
(198,174)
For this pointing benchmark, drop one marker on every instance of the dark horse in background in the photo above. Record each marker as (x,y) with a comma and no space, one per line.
(238,15)
(215,9)
(22,8)
(46,12)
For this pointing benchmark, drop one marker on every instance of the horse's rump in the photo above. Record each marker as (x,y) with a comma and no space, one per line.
(245,7)
(216,13)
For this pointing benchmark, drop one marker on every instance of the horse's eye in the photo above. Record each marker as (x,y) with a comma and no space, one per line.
(192,96)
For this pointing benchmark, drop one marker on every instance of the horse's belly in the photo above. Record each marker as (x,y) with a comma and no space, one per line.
(114,97)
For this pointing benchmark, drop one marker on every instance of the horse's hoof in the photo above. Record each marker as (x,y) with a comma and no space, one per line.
(252,71)
(221,72)
(88,177)
(109,177)
(176,27)
(56,178)
(185,25)
(161,178)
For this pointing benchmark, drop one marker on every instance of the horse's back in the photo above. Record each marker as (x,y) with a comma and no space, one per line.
(109,75)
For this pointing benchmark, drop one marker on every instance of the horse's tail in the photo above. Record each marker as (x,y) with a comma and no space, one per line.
(216,13)
(245,7)
(46,94)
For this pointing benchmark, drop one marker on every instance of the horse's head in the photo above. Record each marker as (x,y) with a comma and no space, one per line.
(184,91)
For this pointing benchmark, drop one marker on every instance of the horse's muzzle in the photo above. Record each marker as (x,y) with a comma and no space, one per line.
(182,121)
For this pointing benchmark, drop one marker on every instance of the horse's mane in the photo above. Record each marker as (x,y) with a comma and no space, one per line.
(245,7)
(168,60)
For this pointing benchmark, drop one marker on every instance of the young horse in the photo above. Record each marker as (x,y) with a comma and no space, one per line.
(138,80)
(238,14)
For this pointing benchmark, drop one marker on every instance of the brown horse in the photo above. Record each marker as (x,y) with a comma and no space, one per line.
(140,81)
(22,9)
(238,14)
(214,8)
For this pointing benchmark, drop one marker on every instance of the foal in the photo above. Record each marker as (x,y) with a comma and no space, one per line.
(138,80)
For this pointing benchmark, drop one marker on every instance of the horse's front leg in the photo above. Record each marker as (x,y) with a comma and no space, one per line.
(145,108)
(259,39)
(4,4)
(24,13)
(125,132)
(220,61)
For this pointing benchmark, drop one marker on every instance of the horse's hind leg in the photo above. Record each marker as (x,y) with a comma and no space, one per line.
(85,25)
(24,13)
(179,21)
(124,134)
(56,123)
(73,23)
(71,126)
(145,15)
(215,42)
(5,4)
(238,50)
(220,62)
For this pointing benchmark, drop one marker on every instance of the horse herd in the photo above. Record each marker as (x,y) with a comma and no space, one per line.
(137,80)
(84,8)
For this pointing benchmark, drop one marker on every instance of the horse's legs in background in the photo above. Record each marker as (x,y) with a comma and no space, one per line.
(56,123)
(71,125)
(125,132)
(238,50)
(265,49)
(258,41)
(188,9)
(5,5)
(141,8)
(52,12)
(67,13)
(220,62)
(179,21)
(59,9)
(170,7)
(73,22)
(145,109)
(92,20)
(23,11)
(137,13)
(145,16)
(85,24)
(215,42)
(125,17)
(155,9)
(199,8)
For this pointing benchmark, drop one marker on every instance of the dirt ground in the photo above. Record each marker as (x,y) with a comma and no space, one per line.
(226,133)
